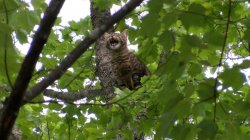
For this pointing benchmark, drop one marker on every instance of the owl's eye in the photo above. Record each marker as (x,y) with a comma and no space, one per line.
(113,42)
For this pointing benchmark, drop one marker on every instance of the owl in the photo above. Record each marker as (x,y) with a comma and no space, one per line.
(127,67)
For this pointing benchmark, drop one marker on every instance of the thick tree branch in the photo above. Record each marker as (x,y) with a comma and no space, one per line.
(98,16)
(65,96)
(14,101)
(80,49)
(73,96)
(103,55)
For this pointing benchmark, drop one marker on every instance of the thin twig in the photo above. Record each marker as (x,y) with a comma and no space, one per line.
(48,130)
(5,46)
(240,38)
(221,58)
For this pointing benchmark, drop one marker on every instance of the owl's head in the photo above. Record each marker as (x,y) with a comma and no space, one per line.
(116,41)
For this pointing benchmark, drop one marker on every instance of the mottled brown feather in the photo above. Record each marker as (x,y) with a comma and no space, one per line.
(128,68)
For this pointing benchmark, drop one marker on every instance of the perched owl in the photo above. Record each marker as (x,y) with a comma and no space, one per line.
(128,68)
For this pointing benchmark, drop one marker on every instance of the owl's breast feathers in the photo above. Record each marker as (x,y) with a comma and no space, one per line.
(126,66)
(129,70)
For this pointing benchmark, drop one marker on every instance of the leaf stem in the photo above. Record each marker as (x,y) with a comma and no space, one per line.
(5,46)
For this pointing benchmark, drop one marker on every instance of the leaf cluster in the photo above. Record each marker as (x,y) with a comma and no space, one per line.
(198,88)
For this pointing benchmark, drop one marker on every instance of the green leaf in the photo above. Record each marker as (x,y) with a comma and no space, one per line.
(25,20)
(103,4)
(206,89)
(175,102)
(38,3)
(247,35)
(212,59)
(10,4)
(247,94)
(148,52)
(195,69)
(8,51)
(241,108)
(175,66)
(167,40)
(81,27)
(214,39)
(166,125)
(194,17)
(246,21)
(115,121)
(169,19)
(150,27)
(70,110)
(183,108)
(186,132)
(5,28)
(208,130)
(189,90)
(57,107)
(22,35)
(155,6)
(244,65)
(198,8)
(132,34)
(232,78)
(202,109)
(232,131)
(189,41)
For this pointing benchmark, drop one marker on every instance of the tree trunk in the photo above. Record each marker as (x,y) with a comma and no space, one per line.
(103,60)
(103,55)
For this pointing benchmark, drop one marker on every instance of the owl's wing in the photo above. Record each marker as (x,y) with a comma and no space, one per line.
(139,69)
(138,66)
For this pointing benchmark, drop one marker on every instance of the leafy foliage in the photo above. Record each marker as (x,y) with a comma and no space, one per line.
(196,50)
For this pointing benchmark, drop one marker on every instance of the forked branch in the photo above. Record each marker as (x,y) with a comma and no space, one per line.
(80,49)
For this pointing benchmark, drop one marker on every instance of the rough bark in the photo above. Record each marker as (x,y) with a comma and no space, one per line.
(73,96)
(71,58)
(15,133)
(103,55)
(11,107)
(64,96)
(104,60)
(80,49)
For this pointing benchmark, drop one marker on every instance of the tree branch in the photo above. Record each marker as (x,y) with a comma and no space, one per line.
(73,96)
(215,90)
(5,45)
(80,49)
(14,101)
(65,96)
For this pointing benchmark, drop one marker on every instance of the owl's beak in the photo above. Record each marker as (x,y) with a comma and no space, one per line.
(113,42)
